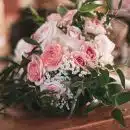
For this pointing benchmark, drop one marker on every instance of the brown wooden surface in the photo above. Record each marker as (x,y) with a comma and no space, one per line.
(98,120)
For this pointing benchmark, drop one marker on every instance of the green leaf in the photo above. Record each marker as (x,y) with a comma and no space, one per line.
(87,14)
(5,73)
(88,7)
(24,62)
(62,10)
(112,80)
(121,98)
(104,76)
(118,116)
(30,41)
(114,88)
(121,76)
(93,105)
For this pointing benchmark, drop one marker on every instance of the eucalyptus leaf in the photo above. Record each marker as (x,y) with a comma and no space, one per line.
(118,116)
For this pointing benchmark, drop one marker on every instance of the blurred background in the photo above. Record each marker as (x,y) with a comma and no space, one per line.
(15,23)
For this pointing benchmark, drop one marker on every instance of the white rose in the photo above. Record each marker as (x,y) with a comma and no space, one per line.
(70,42)
(46,33)
(94,27)
(105,48)
(54,17)
(75,32)
(22,49)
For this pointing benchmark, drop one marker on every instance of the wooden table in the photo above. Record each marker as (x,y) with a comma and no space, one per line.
(98,120)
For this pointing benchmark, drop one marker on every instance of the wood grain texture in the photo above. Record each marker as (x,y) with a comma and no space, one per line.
(97,120)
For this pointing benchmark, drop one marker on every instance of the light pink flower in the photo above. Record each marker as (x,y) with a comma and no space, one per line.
(90,51)
(94,26)
(54,86)
(105,47)
(91,54)
(70,42)
(79,58)
(52,56)
(68,18)
(46,33)
(54,17)
(75,32)
(35,70)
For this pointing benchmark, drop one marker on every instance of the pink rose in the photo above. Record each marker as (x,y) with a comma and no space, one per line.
(52,56)
(79,58)
(54,17)
(68,18)
(75,32)
(94,26)
(90,51)
(54,86)
(46,33)
(35,70)
(91,54)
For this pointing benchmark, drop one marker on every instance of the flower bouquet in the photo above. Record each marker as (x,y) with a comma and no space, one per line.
(65,67)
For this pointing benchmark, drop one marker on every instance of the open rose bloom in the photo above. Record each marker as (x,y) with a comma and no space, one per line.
(65,62)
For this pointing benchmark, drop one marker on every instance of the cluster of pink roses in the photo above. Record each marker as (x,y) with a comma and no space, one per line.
(56,44)
(52,58)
